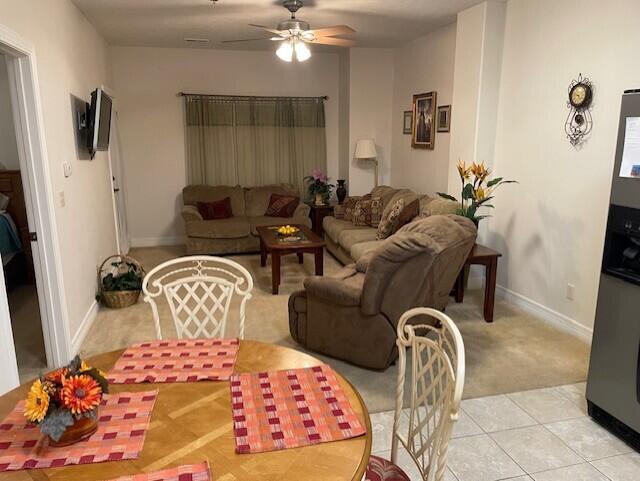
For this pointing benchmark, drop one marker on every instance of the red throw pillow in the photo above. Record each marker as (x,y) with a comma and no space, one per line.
(218,209)
(282,205)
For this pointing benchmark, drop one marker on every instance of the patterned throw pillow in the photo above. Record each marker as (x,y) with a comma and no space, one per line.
(218,209)
(362,212)
(348,206)
(407,215)
(388,222)
(282,205)
(376,211)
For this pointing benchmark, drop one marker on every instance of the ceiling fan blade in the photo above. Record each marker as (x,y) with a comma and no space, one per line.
(338,42)
(277,32)
(249,40)
(332,31)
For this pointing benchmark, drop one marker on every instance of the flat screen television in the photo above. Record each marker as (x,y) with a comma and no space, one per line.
(99,121)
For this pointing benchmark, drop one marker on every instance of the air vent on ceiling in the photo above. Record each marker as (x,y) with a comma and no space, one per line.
(196,40)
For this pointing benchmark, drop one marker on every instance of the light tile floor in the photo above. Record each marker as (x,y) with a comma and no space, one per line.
(539,435)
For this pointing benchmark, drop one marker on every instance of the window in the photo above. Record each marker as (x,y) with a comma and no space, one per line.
(254,141)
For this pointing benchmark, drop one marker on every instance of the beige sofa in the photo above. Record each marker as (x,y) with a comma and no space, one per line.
(353,314)
(237,234)
(348,242)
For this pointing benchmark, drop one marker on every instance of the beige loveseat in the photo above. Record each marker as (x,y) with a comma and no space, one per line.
(348,242)
(237,234)
(353,315)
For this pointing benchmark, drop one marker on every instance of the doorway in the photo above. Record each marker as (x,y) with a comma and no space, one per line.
(38,246)
(15,246)
(117,177)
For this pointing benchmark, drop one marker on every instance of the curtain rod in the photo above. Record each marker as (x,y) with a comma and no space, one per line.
(250,97)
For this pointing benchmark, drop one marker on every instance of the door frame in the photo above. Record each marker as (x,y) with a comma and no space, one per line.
(39,199)
(117,175)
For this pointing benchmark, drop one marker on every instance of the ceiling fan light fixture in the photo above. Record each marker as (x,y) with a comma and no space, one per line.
(302,51)
(285,51)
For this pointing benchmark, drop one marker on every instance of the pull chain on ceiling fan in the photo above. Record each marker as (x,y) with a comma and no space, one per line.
(296,34)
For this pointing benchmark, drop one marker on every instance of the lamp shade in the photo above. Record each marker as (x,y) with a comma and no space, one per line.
(366,149)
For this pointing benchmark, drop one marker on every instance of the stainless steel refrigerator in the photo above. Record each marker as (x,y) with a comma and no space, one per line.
(613,386)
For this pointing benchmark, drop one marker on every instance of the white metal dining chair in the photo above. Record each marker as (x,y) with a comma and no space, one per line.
(199,291)
(437,380)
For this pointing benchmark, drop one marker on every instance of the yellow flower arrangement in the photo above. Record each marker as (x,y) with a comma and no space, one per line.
(477,189)
(463,170)
(37,403)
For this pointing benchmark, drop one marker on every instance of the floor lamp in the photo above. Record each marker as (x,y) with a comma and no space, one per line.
(366,150)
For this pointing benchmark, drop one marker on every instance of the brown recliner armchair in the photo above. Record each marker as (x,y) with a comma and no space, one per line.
(353,315)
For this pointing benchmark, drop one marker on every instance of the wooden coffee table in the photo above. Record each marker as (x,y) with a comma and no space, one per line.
(309,242)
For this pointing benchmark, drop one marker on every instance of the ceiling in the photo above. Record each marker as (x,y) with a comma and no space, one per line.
(165,23)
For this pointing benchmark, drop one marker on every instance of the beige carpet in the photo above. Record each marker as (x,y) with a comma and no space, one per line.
(517,352)
(27,331)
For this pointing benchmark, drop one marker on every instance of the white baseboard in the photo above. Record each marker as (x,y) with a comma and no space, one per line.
(554,318)
(83,330)
(158,241)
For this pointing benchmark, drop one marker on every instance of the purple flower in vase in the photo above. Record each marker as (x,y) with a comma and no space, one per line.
(316,174)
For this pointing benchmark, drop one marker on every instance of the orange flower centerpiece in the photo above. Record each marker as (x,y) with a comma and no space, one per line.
(64,403)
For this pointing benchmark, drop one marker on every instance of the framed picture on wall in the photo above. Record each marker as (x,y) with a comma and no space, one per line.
(424,127)
(444,118)
(407,122)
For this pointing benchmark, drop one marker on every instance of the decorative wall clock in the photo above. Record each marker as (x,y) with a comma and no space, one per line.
(579,122)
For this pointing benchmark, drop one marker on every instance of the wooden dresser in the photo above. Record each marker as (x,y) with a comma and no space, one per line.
(11,186)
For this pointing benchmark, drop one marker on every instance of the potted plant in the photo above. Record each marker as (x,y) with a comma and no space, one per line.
(477,190)
(318,188)
(119,281)
(64,403)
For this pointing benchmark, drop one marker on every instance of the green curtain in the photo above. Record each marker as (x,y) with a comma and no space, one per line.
(254,141)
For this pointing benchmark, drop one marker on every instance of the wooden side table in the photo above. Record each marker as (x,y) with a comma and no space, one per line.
(483,256)
(317,214)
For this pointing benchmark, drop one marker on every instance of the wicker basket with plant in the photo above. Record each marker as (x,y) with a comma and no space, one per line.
(119,281)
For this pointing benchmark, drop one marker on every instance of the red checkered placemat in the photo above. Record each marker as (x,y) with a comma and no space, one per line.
(289,409)
(185,360)
(191,472)
(123,422)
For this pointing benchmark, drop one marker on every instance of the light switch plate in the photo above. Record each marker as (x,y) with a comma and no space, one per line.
(66,168)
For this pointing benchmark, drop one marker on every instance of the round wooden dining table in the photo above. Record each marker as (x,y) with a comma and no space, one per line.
(191,423)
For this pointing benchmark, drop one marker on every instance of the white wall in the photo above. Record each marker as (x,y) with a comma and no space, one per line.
(370,114)
(551,226)
(71,60)
(466,91)
(423,65)
(8,147)
(146,81)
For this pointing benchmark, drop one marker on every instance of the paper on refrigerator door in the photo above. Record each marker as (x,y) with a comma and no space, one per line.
(631,152)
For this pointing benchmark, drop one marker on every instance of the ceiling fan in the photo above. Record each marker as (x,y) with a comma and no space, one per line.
(295,34)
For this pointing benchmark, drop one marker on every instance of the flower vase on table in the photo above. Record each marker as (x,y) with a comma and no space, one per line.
(318,187)
(477,190)
(64,403)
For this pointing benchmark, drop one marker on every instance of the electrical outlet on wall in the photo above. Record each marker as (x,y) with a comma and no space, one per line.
(571,292)
(62,199)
